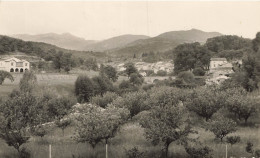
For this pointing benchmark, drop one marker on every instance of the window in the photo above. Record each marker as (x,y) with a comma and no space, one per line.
(12,64)
(26,64)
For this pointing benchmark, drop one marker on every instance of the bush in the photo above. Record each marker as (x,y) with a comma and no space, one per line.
(198,151)
(161,73)
(233,140)
(104,100)
(134,153)
(198,72)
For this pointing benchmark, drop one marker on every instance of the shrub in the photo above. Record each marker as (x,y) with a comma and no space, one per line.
(104,100)
(161,73)
(198,151)
(198,72)
(233,140)
(134,153)
(84,88)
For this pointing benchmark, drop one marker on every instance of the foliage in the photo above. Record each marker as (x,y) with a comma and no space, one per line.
(162,96)
(84,88)
(4,75)
(94,124)
(136,79)
(242,106)
(206,101)
(104,100)
(28,82)
(189,56)
(256,42)
(221,126)
(109,71)
(133,101)
(134,153)
(233,139)
(39,130)
(91,64)
(249,147)
(101,85)
(63,123)
(126,86)
(227,42)
(17,114)
(166,124)
(161,73)
(198,71)
(186,77)
(196,150)
(130,68)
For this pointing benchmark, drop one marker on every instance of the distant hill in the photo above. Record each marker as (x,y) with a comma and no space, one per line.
(164,42)
(65,40)
(115,42)
(9,45)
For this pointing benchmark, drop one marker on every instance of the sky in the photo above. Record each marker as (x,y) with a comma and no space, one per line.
(101,20)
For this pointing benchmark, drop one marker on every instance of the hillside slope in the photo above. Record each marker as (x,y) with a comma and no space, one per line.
(115,42)
(65,40)
(164,42)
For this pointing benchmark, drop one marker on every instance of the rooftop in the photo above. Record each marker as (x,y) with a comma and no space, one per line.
(218,59)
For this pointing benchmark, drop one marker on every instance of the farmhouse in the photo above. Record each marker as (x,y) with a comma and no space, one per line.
(12,64)
(220,69)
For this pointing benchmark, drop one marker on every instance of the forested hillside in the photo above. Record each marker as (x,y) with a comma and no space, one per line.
(8,44)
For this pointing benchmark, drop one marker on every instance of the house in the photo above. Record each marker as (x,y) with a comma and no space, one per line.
(216,62)
(12,64)
(220,69)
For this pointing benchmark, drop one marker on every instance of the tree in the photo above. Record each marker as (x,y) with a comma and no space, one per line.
(66,62)
(4,75)
(104,100)
(166,124)
(91,64)
(242,106)
(101,85)
(110,72)
(233,140)
(133,101)
(28,82)
(189,56)
(206,101)
(84,88)
(136,79)
(186,77)
(94,124)
(63,123)
(221,126)
(57,60)
(130,68)
(17,115)
(198,71)
(39,130)
(256,42)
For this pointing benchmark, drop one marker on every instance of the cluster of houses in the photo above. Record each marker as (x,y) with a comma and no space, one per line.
(142,67)
(12,64)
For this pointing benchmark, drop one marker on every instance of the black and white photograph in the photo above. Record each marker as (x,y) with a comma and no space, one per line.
(129,79)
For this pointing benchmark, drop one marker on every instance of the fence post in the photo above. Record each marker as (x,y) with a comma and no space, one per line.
(49,150)
(226,151)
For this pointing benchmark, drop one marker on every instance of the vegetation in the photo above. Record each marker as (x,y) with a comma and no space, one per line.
(4,75)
